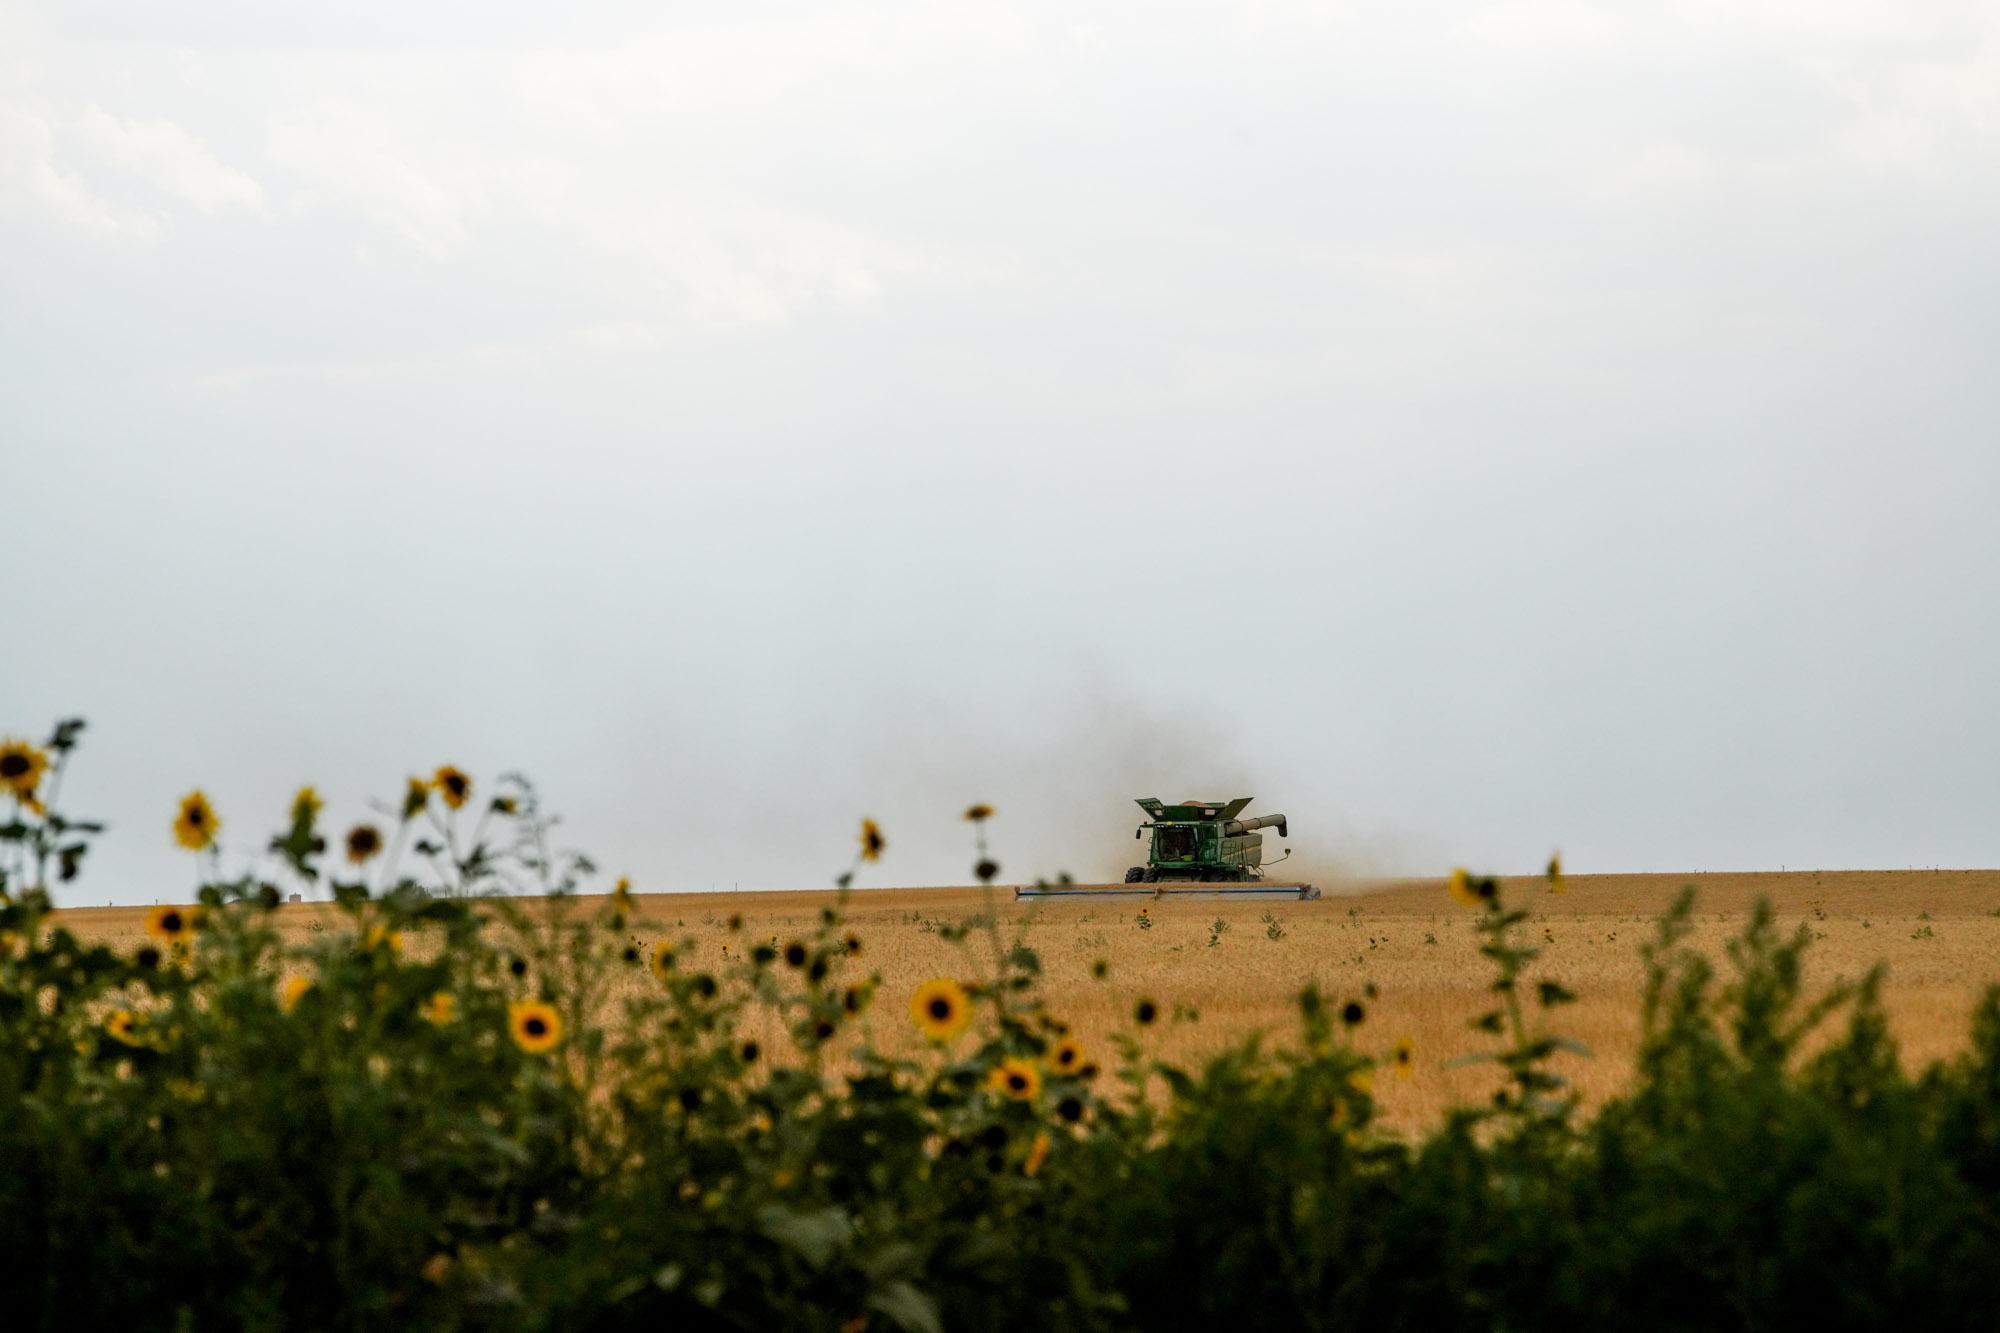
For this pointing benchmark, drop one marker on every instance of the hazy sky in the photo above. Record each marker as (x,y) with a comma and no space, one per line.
(1471,429)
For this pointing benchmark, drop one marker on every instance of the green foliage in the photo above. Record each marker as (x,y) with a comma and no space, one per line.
(233,1128)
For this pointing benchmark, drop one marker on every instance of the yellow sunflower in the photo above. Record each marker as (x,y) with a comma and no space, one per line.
(452,785)
(379,936)
(291,990)
(621,894)
(872,841)
(363,841)
(1038,1152)
(123,1025)
(979,814)
(535,1026)
(196,827)
(1472,890)
(940,1009)
(1555,872)
(415,797)
(307,804)
(1016,1079)
(1067,1057)
(170,924)
(440,1009)
(21,768)
(1403,1057)
(662,960)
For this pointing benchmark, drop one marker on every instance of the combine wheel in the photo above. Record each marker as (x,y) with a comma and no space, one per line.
(1135,875)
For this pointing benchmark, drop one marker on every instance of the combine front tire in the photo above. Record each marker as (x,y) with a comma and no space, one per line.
(1135,875)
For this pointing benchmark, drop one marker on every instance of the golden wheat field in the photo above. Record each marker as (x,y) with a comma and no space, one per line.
(1222,969)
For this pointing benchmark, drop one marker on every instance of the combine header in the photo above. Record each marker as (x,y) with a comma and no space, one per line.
(1199,849)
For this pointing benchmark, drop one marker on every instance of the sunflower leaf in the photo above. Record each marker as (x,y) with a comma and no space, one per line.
(814,1236)
(909,1308)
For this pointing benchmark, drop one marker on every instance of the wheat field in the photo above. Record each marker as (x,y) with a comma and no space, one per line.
(1938,932)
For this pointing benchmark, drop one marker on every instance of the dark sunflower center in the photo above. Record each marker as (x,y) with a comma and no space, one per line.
(534,1027)
(13,765)
(171,923)
(940,1008)
(1065,1058)
(455,785)
(1016,1082)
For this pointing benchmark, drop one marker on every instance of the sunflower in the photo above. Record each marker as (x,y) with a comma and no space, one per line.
(170,924)
(748,1052)
(1038,1152)
(795,954)
(1555,872)
(940,1009)
(452,785)
(1016,1079)
(853,943)
(621,895)
(1067,1057)
(1070,1109)
(440,1009)
(1352,1013)
(306,805)
(123,1025)
(979,814)
(147,957)
(1145,1013)
(662,961)
(197,825)
(379,936)
(415,797)
(535,1026)
(1473,891)
(21,768)
(363,841)
(872,841)
(1100,968)
(291,990)
(1403,1057)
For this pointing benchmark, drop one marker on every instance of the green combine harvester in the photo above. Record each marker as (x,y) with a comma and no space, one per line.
(1199,849)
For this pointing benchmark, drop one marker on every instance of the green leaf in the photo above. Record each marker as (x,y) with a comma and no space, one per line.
(1464,1061)
(893,1261)
(814,1236)
(910,1309)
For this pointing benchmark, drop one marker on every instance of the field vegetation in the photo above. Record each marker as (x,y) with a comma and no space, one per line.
(1473,1103)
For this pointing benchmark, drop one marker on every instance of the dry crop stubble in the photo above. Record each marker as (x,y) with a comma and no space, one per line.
(1936,930)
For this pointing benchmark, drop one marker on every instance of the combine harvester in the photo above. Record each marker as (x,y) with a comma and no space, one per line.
(1200,850)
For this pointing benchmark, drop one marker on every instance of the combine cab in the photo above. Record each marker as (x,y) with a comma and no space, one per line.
(1199,848)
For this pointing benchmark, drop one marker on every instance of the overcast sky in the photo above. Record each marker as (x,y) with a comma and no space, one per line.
(1470,429)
